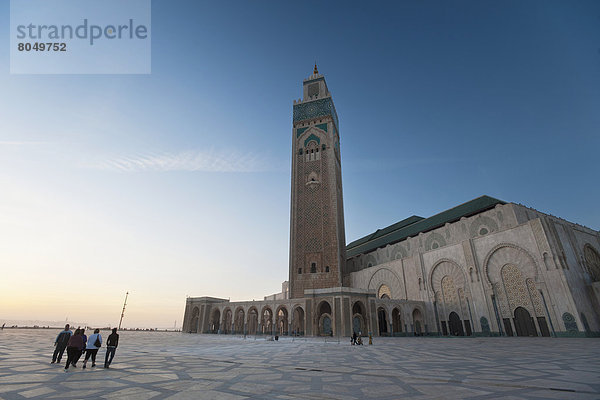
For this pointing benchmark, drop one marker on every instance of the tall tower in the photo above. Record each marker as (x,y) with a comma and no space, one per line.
(317,237)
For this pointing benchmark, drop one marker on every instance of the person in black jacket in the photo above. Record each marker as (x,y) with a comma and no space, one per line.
(111,347)
(60,344)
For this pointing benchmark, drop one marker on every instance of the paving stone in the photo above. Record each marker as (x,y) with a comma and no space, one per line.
(184,366)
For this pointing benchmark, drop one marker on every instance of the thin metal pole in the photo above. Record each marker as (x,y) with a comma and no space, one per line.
(123,312)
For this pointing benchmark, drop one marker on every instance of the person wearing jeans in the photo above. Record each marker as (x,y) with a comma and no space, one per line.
(91,349)
(111,347)
(61,344)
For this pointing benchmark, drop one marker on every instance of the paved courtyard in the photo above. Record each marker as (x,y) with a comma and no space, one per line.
(183,366)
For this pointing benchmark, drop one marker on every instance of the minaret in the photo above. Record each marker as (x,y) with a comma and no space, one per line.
(317,236)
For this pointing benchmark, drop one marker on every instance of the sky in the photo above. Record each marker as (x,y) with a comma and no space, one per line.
(177,183)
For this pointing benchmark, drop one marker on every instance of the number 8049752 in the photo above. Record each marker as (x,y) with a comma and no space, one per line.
(42,46)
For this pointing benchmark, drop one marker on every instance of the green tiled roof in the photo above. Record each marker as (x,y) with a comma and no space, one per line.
(414,225)
(382,232)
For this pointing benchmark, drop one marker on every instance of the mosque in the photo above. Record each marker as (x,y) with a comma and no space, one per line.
(483,268)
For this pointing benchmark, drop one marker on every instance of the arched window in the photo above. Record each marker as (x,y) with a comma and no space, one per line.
(312,148)
(384,292)
(313,268)
(327,269)
(592,259)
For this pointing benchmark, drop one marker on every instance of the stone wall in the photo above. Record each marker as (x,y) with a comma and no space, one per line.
(481,269)
(322,312)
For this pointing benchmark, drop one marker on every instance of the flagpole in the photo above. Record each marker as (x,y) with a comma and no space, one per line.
(123,312)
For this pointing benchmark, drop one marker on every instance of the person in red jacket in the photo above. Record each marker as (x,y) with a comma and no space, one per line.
(74,348)
(83,350)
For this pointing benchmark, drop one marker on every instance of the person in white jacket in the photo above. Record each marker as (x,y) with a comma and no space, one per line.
(91,349)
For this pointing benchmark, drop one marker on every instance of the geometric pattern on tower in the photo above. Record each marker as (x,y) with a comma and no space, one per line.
(314,109)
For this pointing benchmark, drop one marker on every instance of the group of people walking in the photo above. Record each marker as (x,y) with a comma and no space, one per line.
(356,340)
(77,343)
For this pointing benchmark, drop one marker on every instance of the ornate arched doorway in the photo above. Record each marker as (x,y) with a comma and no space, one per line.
(325,322)
(252,321)
(266,321)
(215,320)
(298,321)
(227,319)
(194,321)
(239,321)
(282,321)
(524,324)
(358,318)
(515,278)
(382,321)
(396,321)
(418,322)
(456,328)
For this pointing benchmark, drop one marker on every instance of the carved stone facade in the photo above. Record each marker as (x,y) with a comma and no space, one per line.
(505,270)
(484,267)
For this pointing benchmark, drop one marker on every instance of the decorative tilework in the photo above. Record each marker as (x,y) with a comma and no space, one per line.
(592,259)
(482,222)
(434,240)
(322,127)
(300,131)
(314,109)
(517,291)
(535,297)
(463,302)
(502,302)
(312,137)
(384,290)
(449,293)
(570,323)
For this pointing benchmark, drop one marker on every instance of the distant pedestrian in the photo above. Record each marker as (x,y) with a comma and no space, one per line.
(111,347)
(353,338)
(93,344)
(74,348)
(60,344)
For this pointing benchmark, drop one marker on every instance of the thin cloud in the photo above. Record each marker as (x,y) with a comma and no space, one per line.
(18,143)
(191,160)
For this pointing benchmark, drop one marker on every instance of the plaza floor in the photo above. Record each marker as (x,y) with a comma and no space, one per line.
(186,366)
